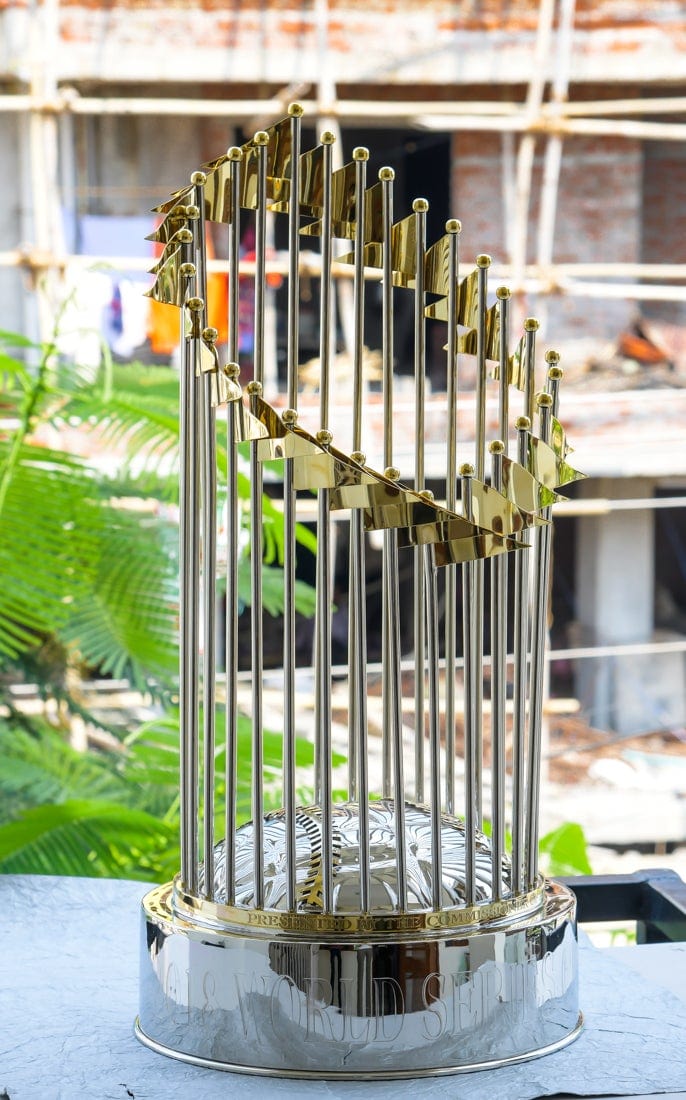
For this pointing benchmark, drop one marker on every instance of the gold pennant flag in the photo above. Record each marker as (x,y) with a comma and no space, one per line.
(403,252)
(343,216)
(176,219)
(169,287)
(184,197)
(437,267)
(516,367)
(495,512)
(171,248)
(217,191)
(467,300)
(468,342)
(547,467)
(558,439)
(526,493)
(459,551)
(311,174)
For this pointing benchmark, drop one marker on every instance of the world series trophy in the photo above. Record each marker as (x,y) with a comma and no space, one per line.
(392,934)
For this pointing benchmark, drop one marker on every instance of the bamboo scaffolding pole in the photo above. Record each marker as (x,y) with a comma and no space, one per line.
(374,112)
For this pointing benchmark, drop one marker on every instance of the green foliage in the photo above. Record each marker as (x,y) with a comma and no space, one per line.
(116,813)
(89,562)
(563,851)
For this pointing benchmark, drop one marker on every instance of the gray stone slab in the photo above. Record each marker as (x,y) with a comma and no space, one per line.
(68,997)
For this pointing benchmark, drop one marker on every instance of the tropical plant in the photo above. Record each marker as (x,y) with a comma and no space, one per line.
(89,565)
(112,813)
(89,558)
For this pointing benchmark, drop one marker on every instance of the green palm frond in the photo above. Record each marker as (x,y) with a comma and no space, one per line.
(46,544)
(40,767)
(125,623)
(83,837)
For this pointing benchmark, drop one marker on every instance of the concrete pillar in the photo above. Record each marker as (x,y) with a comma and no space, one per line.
(615,581)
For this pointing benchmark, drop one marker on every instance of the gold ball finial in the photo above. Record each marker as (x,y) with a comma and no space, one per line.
(184,236)
(196,305)
(210,335)
(544,401)
(327,138)
(552,357)
(555,373)
(483,260)
(426,494)
(289,417)
(360,152)
(232,370)
(187,271)
(235,153)
(523,424)
(392,473)
(503,293)
(359,457)
(386,174)
(261,137)
(193,212)
(198,179)
(324,437)
(531,325)
(254,389)
(296,110)
(453,225)
(497,447)
(466,470)
(420,206)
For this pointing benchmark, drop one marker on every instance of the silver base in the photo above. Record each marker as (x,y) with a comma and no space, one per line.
(262,996)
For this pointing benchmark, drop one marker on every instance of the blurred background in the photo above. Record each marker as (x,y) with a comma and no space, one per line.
(556,132)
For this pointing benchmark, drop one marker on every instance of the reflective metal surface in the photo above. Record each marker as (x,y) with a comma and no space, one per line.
(383,846)
(366,1006)
(387,935)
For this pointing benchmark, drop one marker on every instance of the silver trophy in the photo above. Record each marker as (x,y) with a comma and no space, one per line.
(399,932)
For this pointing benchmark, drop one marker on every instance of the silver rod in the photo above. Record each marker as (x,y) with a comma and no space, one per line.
(453,227)
(386,176)
(420,208)
(261,141)
(548,407)
(292,340)
(471,716)
(325,283)
(483,263)
(289,511)
(232,606)
(498,689)
(503,296)
(530,330)
(232,542)
(360,156)
(206,462)
(521,631)
(188,860)
(324,585)
(358,678)
(254,390)
(395,711)
(357,628)
(193,496)
(434,728)
(538,636)
(209,626)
